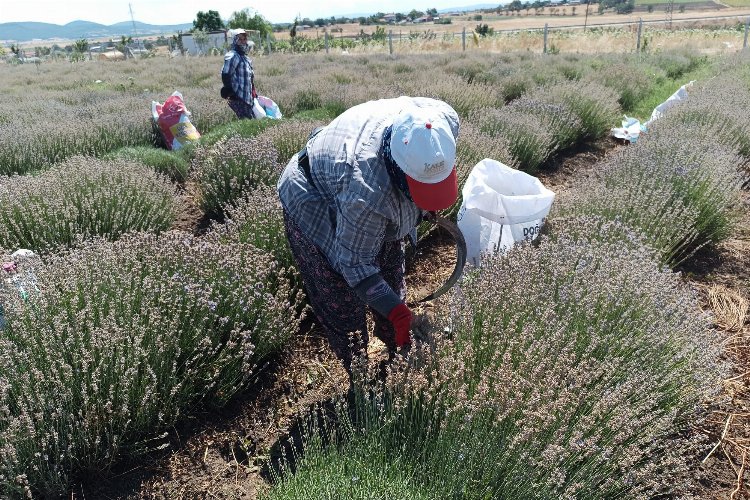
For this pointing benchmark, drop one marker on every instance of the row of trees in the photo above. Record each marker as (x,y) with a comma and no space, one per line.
(211,21)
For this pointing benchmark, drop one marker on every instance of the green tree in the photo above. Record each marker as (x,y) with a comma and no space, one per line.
(483,30)
(243,19)
(16,49)
(415,14)
(123,43)
(208,21)
(81,46)
(177,42)
(432,12)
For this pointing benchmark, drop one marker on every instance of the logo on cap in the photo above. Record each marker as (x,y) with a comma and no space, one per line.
(431,169)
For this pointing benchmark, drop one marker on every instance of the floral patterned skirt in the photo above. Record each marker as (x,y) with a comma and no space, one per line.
(241,108)
(335,304)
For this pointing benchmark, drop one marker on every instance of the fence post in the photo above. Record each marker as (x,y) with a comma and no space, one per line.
(546,28)
(747,26)
(390,42)
(463,39)
(268,42)
(640,27)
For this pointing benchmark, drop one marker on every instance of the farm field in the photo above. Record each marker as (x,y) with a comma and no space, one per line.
(159,345)
(560,16)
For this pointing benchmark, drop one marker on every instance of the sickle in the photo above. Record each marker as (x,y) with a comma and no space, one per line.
(458,237)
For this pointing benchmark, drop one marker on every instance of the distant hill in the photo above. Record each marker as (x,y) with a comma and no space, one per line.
(465,8)
(27,31)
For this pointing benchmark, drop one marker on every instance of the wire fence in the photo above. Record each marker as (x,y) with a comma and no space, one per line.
(712,34)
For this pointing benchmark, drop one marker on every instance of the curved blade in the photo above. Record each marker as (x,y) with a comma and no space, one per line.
(458,237)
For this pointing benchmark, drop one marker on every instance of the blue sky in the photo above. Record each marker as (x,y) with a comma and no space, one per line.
(183,11)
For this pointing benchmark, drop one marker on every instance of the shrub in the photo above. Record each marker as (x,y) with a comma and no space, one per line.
(83,197)
(224,171)
(702,175)
(530,141)
(93,128)
(563,371)
(595,105)
(712,112)
(168,163)
(289,137)
(680,195)
(120,342)
(465,99)
(258,219)
(360,469)
(630,82)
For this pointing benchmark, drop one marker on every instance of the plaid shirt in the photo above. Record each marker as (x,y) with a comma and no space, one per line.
(351,207)
(240,68)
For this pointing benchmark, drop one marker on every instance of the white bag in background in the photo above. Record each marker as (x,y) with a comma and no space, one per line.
(271,108)
(500,206)
(258,111)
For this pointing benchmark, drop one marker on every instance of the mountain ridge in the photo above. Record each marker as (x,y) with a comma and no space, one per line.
(75,30)
(27,31)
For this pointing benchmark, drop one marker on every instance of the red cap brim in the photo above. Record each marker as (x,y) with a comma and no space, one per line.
(438,196)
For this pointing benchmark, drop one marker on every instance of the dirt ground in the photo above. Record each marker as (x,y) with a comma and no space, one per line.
(220,454)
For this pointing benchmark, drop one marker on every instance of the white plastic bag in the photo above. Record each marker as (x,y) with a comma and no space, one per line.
(271,108)
(500,206)
(680,95)
(258,111)
(630,131)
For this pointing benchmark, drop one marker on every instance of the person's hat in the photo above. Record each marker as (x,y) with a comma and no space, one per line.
(423,146)
(237,31)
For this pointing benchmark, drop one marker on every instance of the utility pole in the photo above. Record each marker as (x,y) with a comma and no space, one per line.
(586,19)
(670,9)
(135,29)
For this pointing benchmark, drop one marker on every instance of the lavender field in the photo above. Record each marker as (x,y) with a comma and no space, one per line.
(590,364)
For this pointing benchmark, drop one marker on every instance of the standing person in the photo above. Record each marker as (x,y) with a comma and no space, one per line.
(238,77)
(350,199)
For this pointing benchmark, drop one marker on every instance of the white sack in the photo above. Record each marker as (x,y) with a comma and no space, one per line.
(500,206)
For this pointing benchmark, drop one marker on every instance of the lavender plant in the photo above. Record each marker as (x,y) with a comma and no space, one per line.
(567,371)
(595,106)
(227,169)
(81,198)
(681,195)
(648,206)
(258,219)
(711,112)
(702,174)
(631,82)
(290,137)
(531,142)
(119,341)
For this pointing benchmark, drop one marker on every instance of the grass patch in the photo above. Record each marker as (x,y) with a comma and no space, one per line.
(170,163)
(241,128)
(665,87)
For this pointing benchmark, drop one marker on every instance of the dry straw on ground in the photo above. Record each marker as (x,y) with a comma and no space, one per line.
(729,307)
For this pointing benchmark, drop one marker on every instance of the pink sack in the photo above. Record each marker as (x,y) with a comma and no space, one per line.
(173,120)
